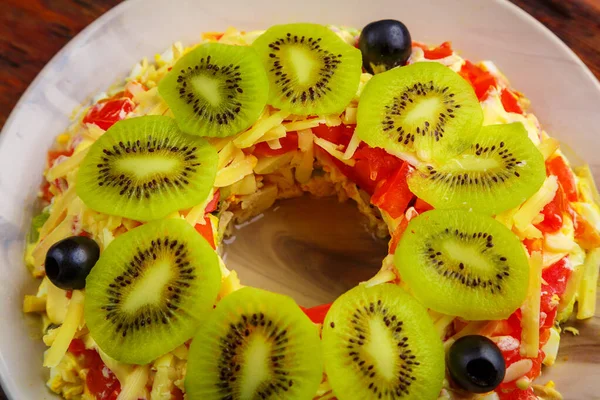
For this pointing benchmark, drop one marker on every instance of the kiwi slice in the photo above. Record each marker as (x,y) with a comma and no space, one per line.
(150,290)
(379,343)
(255,345)
(501,169)
(462,263)
(144,168)
(216,89)
(310,69)
(425,108)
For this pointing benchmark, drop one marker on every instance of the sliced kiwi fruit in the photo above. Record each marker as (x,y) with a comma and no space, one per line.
(423,108)
(150,290)
(216,89)
(380,343)
(311,70)
(255,345)
(501,169)
(144,168)
(463,263)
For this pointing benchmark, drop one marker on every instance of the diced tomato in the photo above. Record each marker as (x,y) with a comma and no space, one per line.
(54,154)
(100,380)
(317,314)
(533,244)
(393,194)
(105,114)
(206,231)
(509,101)
(176,394)
(397,235)
(421,206)
(339,135)
(76,347)
(371,164)
(553,213)
(587,235)
(212,205)
(480,79)
(288,143)
(558,167)
(442,51)
(517,394)
(557,275)
(69,293)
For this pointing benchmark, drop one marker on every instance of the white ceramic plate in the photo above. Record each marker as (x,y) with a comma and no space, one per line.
(565,95)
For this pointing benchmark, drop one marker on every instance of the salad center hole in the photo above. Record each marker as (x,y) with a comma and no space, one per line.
(308,248)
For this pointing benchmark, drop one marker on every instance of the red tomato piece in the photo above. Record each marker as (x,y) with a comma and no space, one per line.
(212,205)
(442,51)
(339,135)
(553,213)
(206,231)
(587,236)
(54,154)
(397,235)
(510,102)
(421,206)
(176,394)
(288,143)
(481,80)
(393,194)
(517,394)
(105,114)
(77,347)
(100,380)
(558,167)
(372,166)
(317,314)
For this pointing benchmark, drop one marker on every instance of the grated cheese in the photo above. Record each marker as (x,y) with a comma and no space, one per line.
(66,331)
(261,127)
(534,205)
(235,172)
(517,370)
(301,125)
(586,292)
(196,214)
(135,385)
(332,149)
(530,322)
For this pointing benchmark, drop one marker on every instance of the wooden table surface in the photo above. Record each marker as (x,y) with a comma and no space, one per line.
(32,31)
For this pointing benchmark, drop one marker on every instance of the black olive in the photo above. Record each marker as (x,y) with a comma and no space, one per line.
(476,364)
(384,45)
(69,262)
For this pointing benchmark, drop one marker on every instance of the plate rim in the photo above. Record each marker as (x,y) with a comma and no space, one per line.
(7,383)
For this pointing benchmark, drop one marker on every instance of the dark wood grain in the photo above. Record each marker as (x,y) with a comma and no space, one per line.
(32,31)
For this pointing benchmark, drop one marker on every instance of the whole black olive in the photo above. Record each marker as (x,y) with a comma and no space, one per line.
(69,262)
(384,45)
(476,364)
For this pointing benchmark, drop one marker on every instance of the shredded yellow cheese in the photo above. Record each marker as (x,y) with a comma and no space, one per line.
(530,322)
(235,172)
(135,385)
(249,138)
(332,149)
(586,293)
(534,205)
(67,330)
